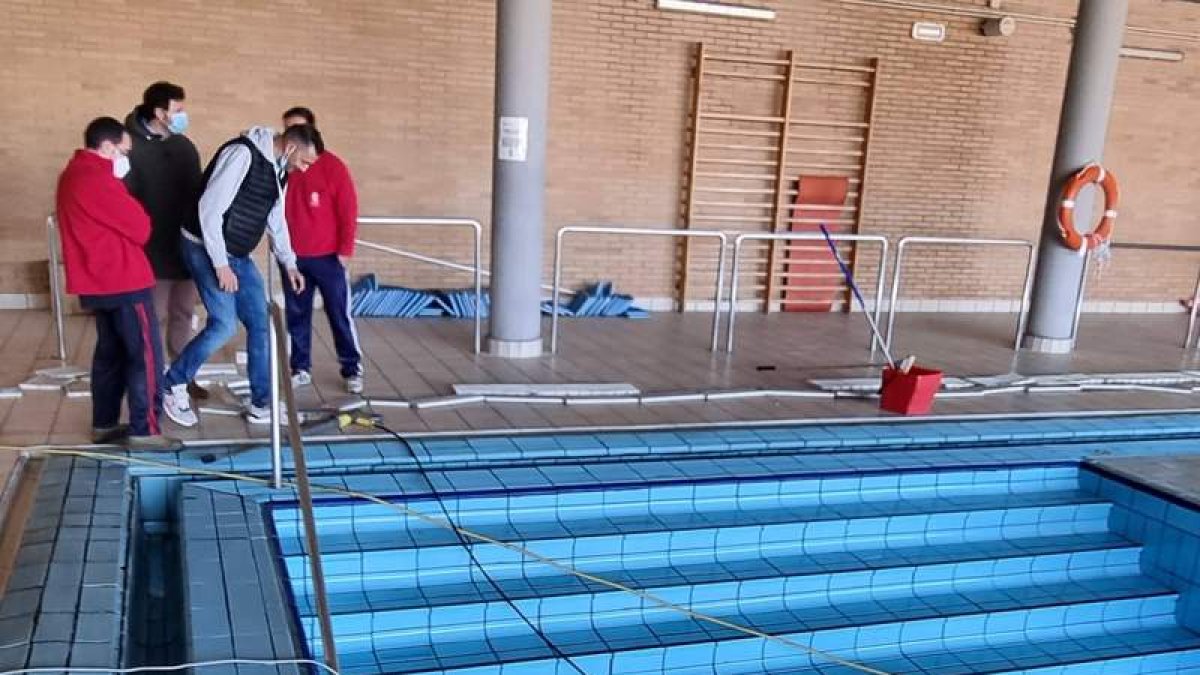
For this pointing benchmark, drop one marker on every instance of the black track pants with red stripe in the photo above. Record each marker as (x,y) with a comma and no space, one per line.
(127,361)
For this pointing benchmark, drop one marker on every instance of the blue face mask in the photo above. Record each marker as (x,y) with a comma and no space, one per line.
(178,123)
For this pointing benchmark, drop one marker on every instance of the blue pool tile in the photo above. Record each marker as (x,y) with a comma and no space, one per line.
(485,444)
(824,437)
(738,439)
(612,473)
(580,443)
(700,441)
(621,443)
(356,453)
(471,481)
(780,439)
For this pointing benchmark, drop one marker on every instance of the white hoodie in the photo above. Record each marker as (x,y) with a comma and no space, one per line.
(230,170)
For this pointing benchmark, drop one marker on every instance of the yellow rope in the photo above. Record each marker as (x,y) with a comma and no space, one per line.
(477,536)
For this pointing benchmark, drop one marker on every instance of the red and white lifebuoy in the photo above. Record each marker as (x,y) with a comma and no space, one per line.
(1088,175)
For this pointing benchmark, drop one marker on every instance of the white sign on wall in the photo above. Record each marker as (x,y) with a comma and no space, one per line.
(513,143)
(929,31)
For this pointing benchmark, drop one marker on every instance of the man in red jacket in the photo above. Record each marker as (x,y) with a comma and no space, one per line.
(104,231)
(321,210)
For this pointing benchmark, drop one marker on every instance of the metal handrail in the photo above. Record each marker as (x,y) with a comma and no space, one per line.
(477,255)
(805,236)
(438,262)
(643,232)
(56,294)
(897,270)
(1190,336)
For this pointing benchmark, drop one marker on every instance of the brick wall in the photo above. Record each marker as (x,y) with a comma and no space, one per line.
(963,141)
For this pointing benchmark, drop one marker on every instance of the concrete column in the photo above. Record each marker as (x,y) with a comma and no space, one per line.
(519,176)
(1099,29)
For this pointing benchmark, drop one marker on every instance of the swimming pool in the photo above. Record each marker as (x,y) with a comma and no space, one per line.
(988,547)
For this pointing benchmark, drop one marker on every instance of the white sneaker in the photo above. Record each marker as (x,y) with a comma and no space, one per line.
(301,378)
(178,406)
(354,384)
(261,414)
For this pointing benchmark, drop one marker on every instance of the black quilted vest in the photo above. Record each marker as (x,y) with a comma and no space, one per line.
(246,217)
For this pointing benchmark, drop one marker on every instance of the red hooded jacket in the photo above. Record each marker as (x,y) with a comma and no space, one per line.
(103,229)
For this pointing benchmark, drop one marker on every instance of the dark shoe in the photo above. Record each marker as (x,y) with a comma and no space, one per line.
(157,443)
(197,392)
(108,435)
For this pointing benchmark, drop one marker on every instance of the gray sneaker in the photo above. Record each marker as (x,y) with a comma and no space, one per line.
(301,378)
(354,384)
(178,406)
(261,414)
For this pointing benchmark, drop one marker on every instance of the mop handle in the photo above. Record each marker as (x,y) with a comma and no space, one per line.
(857,295)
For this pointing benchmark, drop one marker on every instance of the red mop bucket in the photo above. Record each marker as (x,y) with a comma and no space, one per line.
(909,393)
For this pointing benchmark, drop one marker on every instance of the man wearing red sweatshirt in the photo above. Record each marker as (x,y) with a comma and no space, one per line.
(321,209)
(104,230)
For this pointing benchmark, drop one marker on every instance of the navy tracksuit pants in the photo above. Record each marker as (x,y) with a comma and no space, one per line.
(127,361)
(326,274)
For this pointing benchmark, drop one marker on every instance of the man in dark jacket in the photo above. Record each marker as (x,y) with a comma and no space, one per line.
(165,177)
(103,234)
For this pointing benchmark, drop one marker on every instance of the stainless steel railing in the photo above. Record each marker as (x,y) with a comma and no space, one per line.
(804,236)
(477,255)
(898,270)
(721,237)
(1189,337)
(56,294)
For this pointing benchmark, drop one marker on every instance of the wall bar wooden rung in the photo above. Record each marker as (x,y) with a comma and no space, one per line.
(832,124)
(730,219)
(816,65)
(823,167)
(734,58)
(827,153)
(744,76)
(735,176)
(820,207)
(741,118)
(832,83)
(830,139)
(735,146)
(748,205)
(731,131)
(734,191)
(738,162)
(849,195)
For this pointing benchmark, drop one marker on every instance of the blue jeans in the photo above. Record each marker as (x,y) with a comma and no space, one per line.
(248,305)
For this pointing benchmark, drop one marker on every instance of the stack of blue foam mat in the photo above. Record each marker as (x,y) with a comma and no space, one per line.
(371,299)
(461,304)
(598,300)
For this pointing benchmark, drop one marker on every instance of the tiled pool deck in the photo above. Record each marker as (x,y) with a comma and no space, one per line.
(666,354)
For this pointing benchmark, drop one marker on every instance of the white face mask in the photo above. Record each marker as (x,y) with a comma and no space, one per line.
(120,166)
